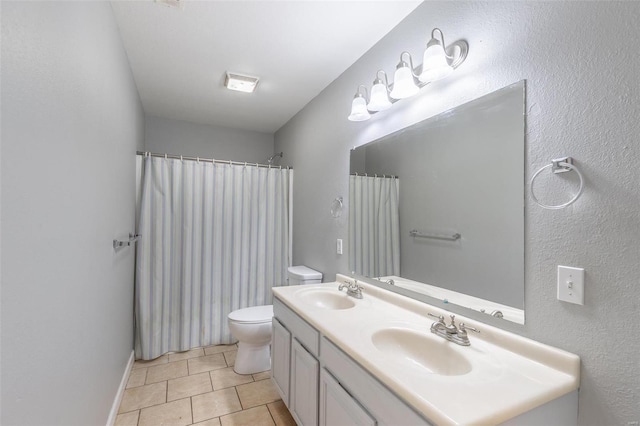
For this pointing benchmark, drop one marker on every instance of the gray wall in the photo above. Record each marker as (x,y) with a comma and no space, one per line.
(164,135)
(581,64)
(71,123)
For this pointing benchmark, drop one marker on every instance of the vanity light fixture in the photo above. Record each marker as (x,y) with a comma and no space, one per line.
(438,62)
(359,110)
(379,93)
(240,83)
(404,84)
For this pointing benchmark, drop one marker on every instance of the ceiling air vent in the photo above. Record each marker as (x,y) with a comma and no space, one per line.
(241,83)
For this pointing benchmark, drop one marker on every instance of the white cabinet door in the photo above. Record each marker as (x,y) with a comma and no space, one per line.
(337,407)
(303,398)
(281,359)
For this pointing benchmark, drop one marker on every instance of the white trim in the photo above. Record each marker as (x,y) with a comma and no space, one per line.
(123,384)
(290,260)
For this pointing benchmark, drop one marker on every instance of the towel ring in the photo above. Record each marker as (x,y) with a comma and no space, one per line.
(559,165)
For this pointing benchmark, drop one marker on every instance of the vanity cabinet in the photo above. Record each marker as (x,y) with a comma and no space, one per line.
(337,407)
(303,399)
(382,404)
(281,359)
(330,370)
(320,384)
(295,367)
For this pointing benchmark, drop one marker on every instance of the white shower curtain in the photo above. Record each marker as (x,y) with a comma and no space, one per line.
(215,238)
(374,226)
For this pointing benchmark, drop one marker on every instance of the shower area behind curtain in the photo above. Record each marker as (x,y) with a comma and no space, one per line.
(374,225)
(215,238)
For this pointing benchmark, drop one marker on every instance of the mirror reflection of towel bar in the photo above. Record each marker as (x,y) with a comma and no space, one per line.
(416,233)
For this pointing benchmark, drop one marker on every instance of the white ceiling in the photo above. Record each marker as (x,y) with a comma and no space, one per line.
(297,48)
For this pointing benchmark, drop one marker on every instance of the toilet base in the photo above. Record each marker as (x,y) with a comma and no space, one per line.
(252,359)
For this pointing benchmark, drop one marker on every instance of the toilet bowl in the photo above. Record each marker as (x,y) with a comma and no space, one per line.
(252,327)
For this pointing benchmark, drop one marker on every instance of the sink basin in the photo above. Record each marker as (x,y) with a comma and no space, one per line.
(422,351)
(326,299)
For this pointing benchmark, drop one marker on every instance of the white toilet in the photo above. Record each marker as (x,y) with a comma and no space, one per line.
(303,275)
(252,327)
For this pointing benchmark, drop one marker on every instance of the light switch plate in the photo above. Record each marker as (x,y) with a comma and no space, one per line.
(339,246)
(571,284)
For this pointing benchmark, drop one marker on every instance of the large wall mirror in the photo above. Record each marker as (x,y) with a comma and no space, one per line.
(437,208)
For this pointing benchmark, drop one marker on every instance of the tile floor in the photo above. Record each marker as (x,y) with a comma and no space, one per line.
(199,387)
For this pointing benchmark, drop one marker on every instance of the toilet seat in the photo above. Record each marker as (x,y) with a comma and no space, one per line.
(253,315)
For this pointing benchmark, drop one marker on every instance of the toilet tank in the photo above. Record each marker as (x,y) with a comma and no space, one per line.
(303,275)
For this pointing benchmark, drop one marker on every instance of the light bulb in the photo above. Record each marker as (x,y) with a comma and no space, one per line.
(403,84)
(359,109)
(379,97)
(434,64)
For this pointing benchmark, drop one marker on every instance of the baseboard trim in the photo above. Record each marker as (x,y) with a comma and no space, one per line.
(123,384)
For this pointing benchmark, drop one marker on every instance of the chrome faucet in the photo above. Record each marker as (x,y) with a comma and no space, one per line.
(439,327)
(353,289)
(451,332)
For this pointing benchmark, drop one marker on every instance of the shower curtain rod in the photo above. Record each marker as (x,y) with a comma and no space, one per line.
(374,175)
(211,160)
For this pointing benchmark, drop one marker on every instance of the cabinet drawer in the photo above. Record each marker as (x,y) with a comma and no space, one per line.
(376,398)
(306,334)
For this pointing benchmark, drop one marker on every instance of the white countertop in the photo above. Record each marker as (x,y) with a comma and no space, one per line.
(510,374)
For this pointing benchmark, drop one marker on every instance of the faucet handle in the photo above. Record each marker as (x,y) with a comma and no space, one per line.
(464,328)
(440,317)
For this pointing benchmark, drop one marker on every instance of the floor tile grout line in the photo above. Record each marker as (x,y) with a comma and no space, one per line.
(235,388)
(270,414)
(191,402)
(211,380)
(142,408)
